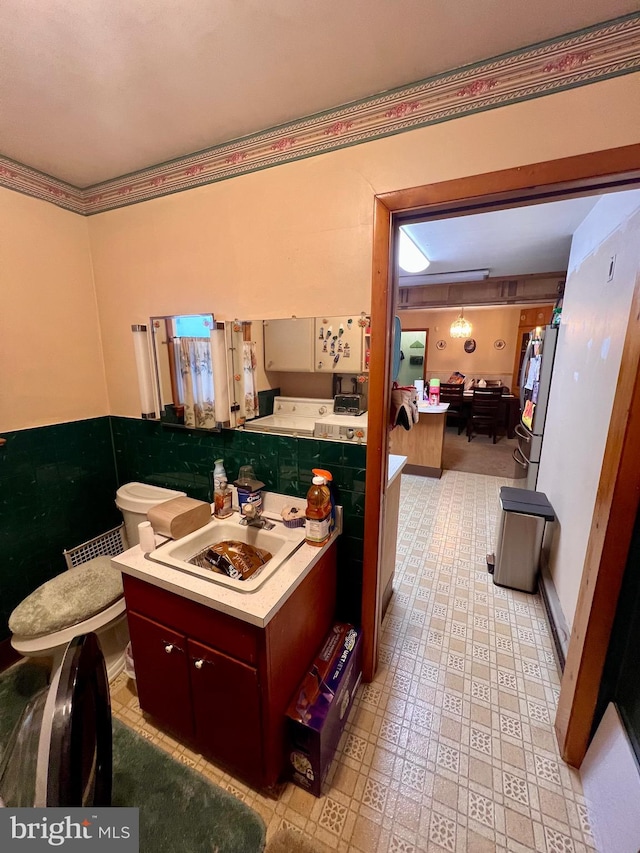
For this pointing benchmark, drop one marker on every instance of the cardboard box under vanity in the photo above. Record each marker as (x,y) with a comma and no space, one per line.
(319,709)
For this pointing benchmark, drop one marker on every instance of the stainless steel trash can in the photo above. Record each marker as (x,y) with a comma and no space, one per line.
(519,542)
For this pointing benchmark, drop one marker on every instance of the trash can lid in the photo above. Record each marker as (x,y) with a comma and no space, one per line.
(526,502)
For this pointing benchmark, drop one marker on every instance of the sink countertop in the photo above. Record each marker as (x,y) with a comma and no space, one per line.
(257,607)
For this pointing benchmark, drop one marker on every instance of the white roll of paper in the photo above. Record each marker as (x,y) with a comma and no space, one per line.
(146,536)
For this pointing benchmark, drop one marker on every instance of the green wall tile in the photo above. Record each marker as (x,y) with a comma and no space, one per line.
(57,489)
(58,483)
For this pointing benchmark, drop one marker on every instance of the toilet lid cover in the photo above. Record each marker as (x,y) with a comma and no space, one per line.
(67,599)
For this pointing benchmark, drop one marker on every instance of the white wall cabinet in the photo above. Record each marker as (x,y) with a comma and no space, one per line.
(320,344)
(340,344)
(289,344)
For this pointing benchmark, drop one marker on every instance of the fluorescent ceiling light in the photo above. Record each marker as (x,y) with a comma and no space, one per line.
(410,258)
(443,278)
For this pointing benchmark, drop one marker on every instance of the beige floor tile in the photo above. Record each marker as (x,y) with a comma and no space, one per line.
(365,835)
(519,828)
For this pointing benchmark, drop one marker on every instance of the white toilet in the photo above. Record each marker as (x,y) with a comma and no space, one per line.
(89,596)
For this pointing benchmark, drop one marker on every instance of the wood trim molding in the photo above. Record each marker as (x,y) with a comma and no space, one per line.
(616,506)
(377,438)
(618,495)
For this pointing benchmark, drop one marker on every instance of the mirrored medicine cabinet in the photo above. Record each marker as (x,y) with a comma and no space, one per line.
(200,380)
(206,371)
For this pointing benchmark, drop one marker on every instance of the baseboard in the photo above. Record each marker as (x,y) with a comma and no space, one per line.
(8,655)
(559,629)
(611,783)
(422,471)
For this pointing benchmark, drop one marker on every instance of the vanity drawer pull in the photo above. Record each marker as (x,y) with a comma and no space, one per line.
(200,662)
(171,647)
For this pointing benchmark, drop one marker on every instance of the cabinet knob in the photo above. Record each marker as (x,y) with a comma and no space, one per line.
(168,647)
(198,663)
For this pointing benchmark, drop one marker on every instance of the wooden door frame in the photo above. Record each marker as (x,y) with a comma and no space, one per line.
(618,493)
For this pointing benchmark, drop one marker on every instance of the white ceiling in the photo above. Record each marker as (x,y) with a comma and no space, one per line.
(518,241)
(94,89)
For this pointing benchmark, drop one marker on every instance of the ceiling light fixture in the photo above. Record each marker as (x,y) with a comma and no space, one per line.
(443,278)
(411,258)
(460,328)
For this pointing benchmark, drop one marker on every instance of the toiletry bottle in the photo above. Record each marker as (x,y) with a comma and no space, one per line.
(318,514)
(328,481)
(222,500)
(219,474)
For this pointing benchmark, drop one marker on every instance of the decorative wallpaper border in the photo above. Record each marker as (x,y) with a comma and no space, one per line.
(598,53)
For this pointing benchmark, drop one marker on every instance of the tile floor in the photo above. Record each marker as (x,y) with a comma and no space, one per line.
(451,748)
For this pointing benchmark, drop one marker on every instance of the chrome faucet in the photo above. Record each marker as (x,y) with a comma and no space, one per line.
(251,517)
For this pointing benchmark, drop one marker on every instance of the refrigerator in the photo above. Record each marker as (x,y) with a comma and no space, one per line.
(535,382)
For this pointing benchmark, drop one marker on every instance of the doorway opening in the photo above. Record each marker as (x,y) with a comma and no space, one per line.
(597,173)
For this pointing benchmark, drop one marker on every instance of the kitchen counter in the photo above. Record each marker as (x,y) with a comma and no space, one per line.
(258,607)
(423,443)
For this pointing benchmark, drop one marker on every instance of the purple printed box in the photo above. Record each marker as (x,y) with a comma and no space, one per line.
(321,705)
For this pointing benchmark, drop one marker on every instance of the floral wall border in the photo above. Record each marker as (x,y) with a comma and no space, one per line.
(578,59)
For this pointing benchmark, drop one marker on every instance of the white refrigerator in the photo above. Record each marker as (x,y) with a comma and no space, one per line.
(535,383)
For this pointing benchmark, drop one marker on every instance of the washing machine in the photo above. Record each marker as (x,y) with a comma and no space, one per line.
(60,751)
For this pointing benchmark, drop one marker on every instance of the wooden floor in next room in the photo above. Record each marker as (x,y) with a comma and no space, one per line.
(451,748)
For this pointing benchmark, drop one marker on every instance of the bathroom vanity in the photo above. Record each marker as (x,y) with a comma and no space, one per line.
(217,667)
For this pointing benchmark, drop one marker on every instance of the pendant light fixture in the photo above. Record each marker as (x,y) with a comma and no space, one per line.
(460,328)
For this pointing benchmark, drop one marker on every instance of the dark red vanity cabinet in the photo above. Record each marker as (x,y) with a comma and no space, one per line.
(223,685)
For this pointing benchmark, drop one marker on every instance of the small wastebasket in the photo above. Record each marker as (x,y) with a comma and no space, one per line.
(520,533)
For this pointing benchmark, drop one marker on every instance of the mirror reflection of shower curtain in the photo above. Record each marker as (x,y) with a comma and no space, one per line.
(250,364)
(196,380)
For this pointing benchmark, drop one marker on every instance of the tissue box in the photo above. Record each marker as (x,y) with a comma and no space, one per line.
(320,707)
(179,516)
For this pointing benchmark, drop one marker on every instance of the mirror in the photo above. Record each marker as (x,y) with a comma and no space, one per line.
(210,375)
(205,372)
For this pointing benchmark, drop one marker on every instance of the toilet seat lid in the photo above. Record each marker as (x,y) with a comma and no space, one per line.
(68,599)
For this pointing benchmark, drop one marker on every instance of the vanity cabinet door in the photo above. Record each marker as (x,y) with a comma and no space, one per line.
(162,673)
(226,709)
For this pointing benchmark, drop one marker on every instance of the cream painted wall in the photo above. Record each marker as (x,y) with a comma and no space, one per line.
(590,341)
(296,239)
(51,367)
(488,326)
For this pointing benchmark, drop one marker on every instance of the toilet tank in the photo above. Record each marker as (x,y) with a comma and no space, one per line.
(134,500)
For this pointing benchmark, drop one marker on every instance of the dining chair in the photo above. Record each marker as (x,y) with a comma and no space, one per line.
(486,412)
(453,394)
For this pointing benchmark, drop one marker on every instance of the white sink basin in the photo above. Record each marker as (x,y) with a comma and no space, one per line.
(281,542)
